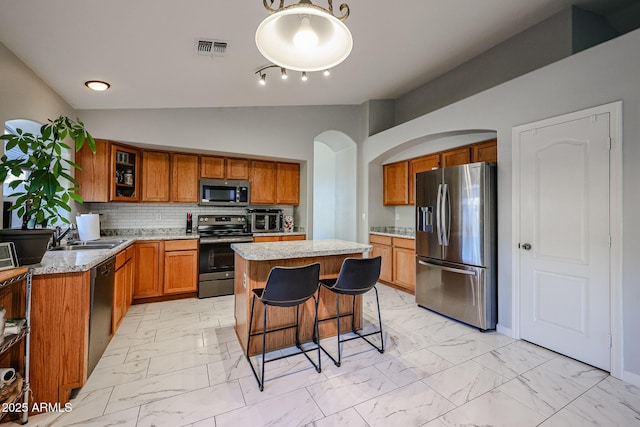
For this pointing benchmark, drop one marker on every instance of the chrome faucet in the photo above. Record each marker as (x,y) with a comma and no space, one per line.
(58,235)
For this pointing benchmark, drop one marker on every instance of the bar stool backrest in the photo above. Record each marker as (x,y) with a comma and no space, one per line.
(358,275)
(289,286)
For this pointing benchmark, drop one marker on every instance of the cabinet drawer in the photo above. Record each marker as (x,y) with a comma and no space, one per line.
(381,240)
(399,242)
(180,245)
(121,258)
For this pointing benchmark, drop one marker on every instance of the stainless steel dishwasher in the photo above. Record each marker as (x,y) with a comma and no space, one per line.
(102,288)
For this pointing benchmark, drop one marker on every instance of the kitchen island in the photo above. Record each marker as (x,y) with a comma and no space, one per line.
(253,261)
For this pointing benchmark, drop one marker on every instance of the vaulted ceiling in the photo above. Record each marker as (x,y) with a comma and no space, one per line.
(146,48)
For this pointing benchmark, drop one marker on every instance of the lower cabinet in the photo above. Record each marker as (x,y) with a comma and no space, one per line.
(59,335)
(257,239)
(180,266)
(123,289)
(147,275)
(398,261)
(165,268)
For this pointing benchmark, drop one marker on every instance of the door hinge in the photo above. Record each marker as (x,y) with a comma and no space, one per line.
(609,142)
(609,241)
(610,341)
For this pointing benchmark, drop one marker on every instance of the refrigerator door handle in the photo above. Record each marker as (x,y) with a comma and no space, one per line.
(446,214)
(438,213)
(450,269)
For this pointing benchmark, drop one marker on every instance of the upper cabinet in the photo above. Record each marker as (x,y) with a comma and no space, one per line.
(125,171)
(287,183)
(237,169)
(421,164)
(400,177)
(118,172)
(212,167)
(263,182)
(274,183)
(185,174)
(486,151)
(455,157)
(396,183)
(155,176)
(224,168)
(111,174)
(96,170)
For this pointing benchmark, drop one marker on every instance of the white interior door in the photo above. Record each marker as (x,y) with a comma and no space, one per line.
(565,238)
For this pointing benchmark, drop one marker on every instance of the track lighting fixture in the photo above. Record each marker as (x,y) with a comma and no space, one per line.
(261,73)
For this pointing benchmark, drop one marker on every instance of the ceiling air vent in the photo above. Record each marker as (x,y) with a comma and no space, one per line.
(206,47)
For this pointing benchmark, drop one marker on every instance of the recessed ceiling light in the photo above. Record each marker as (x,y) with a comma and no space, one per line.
(97,85)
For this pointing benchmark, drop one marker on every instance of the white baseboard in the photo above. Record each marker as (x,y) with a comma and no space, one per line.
(631,378)
(504,330)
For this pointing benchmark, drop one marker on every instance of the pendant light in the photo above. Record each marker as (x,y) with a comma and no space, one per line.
(303,36)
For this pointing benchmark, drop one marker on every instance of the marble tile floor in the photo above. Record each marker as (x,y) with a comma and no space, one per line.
(179,364)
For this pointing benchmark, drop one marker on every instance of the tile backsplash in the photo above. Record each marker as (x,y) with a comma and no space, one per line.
(143,216)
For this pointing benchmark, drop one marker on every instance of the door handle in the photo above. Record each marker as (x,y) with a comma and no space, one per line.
(526,246)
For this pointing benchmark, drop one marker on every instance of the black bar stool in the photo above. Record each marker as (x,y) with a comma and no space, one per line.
(357,276)
(286,287)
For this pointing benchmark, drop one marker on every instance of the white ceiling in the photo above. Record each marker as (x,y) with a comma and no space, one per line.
(146,48)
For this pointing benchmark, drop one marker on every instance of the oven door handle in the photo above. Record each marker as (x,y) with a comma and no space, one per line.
(206,240)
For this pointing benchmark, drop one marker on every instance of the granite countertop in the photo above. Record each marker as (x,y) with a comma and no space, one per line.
(297,249)
(56,262)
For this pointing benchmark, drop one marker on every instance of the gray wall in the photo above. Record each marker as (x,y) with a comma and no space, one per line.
(23,95)
(599,75)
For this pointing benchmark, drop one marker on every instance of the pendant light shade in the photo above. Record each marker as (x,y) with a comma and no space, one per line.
(304,37)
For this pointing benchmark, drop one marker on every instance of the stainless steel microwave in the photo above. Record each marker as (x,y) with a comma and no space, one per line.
(221,192)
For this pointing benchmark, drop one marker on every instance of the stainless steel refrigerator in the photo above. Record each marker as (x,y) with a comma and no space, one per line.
(456,243)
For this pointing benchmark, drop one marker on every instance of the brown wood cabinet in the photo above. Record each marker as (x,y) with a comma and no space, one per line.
(224,168)
(404,263)
(59,335)
(398,261)
(455,157)
(165,268)
(148,273)
(421,164)
(257,239)
(396,183)
(180,266)
(263,182)
(123,287)
(185,175)
(398,192)
(155,176)
(237,169)
(94,178)
(382,247)
(287,183)
(125,174)
(486,151)
(212,167)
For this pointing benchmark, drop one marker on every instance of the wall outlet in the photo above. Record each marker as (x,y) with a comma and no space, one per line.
(158,216)
(397,216)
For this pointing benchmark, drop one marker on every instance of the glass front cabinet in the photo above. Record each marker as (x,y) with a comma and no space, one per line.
(126,168)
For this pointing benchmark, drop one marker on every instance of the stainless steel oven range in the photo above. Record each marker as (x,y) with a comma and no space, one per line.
(217,233)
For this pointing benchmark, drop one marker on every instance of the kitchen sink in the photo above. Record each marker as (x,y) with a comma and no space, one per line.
(84,246)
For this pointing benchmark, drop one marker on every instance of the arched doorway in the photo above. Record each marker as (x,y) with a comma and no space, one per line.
(334,186)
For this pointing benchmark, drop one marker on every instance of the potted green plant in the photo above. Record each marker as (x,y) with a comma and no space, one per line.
(39,186)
